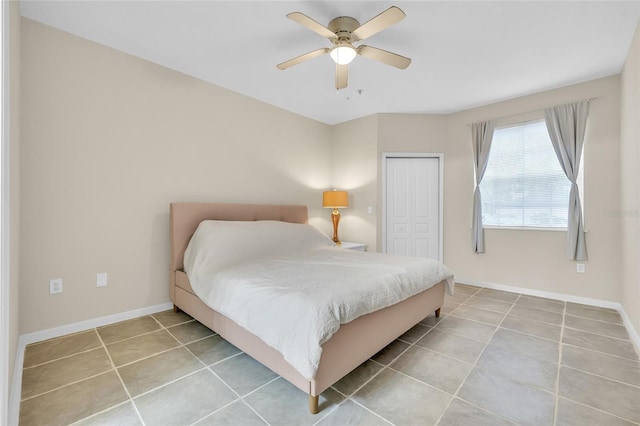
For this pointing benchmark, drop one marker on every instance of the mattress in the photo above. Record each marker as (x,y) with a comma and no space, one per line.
(292,287)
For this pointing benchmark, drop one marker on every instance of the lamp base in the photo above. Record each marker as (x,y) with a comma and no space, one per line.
(335,218)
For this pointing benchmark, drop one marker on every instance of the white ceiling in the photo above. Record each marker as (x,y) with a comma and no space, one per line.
(465,53)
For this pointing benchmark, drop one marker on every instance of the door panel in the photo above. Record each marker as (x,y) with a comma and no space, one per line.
(413,206)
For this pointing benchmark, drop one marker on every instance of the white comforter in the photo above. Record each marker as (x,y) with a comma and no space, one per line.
(289,285)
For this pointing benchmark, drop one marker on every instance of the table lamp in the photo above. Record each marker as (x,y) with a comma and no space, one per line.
(335,200)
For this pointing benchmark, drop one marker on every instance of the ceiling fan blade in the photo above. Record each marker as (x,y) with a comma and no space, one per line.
(385,57)
(309,55)
(384,20)
(342,76)
(314,26)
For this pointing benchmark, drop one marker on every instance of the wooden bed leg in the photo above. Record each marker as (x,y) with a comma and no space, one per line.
(438,313)
(175,309)
(313,404)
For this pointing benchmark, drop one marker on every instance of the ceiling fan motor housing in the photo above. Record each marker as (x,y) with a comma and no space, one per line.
(343,26)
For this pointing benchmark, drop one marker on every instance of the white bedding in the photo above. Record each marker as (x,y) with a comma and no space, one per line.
(289,285)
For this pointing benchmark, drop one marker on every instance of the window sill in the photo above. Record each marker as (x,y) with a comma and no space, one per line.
(525,228)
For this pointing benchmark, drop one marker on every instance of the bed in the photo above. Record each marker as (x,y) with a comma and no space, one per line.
(351,345)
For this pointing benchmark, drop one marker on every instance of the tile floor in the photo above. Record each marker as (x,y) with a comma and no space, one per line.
(493,358)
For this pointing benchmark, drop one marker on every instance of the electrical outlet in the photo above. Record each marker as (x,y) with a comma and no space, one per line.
(55,286)
(580,268)
(101,279)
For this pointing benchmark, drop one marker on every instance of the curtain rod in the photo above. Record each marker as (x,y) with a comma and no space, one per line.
(536,110)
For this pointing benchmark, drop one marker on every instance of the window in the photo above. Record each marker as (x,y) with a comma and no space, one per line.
(524,185)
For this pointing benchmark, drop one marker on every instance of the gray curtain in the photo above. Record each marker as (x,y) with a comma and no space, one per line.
(566,125)
(482,134)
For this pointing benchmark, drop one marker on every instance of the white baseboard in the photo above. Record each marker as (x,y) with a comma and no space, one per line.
(633,333)
(39,336)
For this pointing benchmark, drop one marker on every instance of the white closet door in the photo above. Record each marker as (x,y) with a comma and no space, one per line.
(413,207)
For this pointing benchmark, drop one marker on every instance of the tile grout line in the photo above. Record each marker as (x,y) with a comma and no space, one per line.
(162,328)
(65,385)
(61,358)
(596,319)
(515,304)
(476,320)
(601,411)
(475,364)
(213,412)
(180,345)
(208,367)
(545,301)
(228,386)
(557,384)
(242,399)
(445,355)
(101,412)
(113,365)
(449,331)
(386,366)
(602,353)
(539,321)
(51,339)
(485,410)
(146,333)
(376,374)
(591,373)
(482,308)
(500,326)
(599,334)
(560,345)
(367,409)
(531,335)
(170,382)
(453,397)
(146,357)
(592,308)
(130,321)
(115,368)
(347,398)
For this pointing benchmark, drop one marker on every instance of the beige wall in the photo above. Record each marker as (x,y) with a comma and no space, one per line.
(537,259)
(354,169)
(108,141)
(530,259)
(630,179)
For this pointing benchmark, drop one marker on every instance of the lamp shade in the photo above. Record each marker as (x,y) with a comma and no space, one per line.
(335,199)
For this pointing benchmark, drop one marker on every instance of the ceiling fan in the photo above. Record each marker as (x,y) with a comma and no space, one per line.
(343,31)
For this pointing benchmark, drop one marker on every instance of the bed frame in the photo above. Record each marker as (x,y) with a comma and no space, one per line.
(349,347)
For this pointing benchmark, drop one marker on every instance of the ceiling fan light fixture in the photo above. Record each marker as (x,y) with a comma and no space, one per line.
(342,32)
(343,54)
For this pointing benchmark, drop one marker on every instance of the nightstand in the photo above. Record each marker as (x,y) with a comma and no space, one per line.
(354,246)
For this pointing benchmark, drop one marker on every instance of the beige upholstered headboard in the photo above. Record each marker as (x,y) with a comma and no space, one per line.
(185,218)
